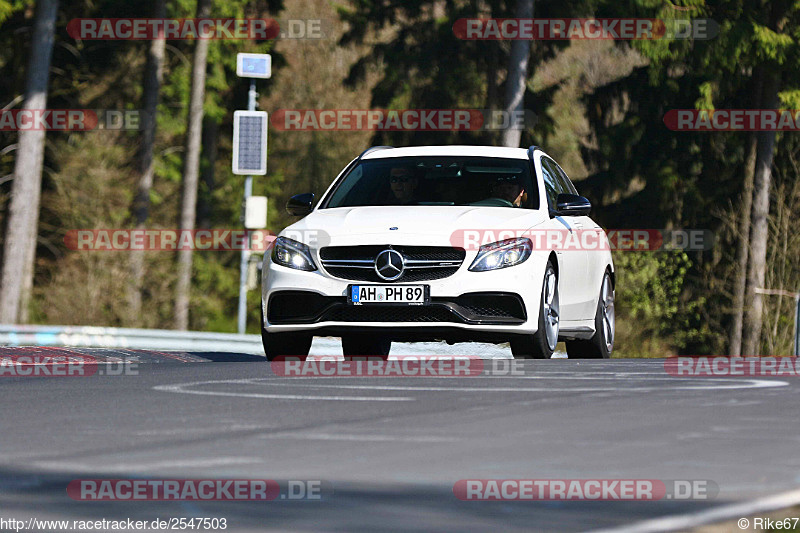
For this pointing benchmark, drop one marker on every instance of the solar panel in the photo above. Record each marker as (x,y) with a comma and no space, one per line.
(250,142)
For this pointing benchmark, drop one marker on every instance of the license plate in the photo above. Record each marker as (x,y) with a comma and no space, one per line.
(389,294)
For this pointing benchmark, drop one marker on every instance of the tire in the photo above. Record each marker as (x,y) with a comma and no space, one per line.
(277,344)
(365,344)
(601,344)
(542,344)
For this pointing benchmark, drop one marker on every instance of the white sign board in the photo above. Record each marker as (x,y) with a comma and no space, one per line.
(255,212)
(254,65)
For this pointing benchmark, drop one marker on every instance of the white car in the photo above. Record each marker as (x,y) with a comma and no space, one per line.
(454,243)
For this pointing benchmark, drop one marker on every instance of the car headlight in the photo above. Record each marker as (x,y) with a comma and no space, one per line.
(502,254)
(292,254)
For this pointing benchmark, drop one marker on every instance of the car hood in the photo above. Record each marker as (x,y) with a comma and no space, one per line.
(424,225)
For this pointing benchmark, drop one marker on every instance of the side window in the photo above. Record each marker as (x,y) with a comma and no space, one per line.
(560,180)
(570,188)
(551,183)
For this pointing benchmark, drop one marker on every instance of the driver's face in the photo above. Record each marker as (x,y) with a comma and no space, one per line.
(507,190)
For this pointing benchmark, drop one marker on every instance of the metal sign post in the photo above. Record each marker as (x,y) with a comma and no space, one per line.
(796,296)
(797,325)
(249,154)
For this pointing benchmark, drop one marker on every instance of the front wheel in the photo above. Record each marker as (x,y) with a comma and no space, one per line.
(291,344)
(278,344)
(601,344)
(542,344)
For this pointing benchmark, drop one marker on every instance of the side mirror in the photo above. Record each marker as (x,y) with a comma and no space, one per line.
(572,205)
(299,205)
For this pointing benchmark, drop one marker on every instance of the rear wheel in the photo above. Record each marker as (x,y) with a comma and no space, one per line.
(277,344)
(542,344)
(365,344)
(601,344)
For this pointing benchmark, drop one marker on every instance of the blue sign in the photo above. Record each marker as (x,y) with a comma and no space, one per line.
(253,65)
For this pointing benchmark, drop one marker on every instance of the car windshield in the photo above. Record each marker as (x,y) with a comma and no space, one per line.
(437,181)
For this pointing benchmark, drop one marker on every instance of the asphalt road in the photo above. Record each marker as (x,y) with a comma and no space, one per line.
(389,450)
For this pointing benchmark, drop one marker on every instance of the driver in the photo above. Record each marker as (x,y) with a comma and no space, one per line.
(510,189)
(403,184)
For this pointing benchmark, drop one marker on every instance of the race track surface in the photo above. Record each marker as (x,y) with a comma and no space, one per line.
(388,450)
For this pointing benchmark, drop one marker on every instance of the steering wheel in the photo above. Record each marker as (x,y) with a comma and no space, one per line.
(493,202)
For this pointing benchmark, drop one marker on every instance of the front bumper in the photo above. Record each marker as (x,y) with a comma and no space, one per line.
(464,306)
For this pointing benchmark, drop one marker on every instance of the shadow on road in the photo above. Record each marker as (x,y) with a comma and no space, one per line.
(227,357)
(345,507)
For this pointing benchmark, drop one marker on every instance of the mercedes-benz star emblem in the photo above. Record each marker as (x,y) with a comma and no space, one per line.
(389,265)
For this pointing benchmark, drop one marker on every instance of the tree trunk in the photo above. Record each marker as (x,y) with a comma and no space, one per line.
(153,76)
(517,77)
(759,232)
(209,148)
(19,250)
(743,244)
(493,87)
(492,90)
(191,169)
(742,250)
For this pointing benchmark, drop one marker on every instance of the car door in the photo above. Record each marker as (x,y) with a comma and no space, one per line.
(572,262)
(588,284)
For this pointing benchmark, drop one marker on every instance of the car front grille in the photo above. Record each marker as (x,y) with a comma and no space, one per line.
(422,263)
(360,313)
(304,307)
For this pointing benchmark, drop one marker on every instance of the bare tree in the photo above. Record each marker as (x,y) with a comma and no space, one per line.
(517,77)
(191,170)
(743,243)
(210,149)
(742,250)
(19,250)
(153,76)
(759,232)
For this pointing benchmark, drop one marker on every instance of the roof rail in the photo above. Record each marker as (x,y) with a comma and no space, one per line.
(532,149)
(373,149)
